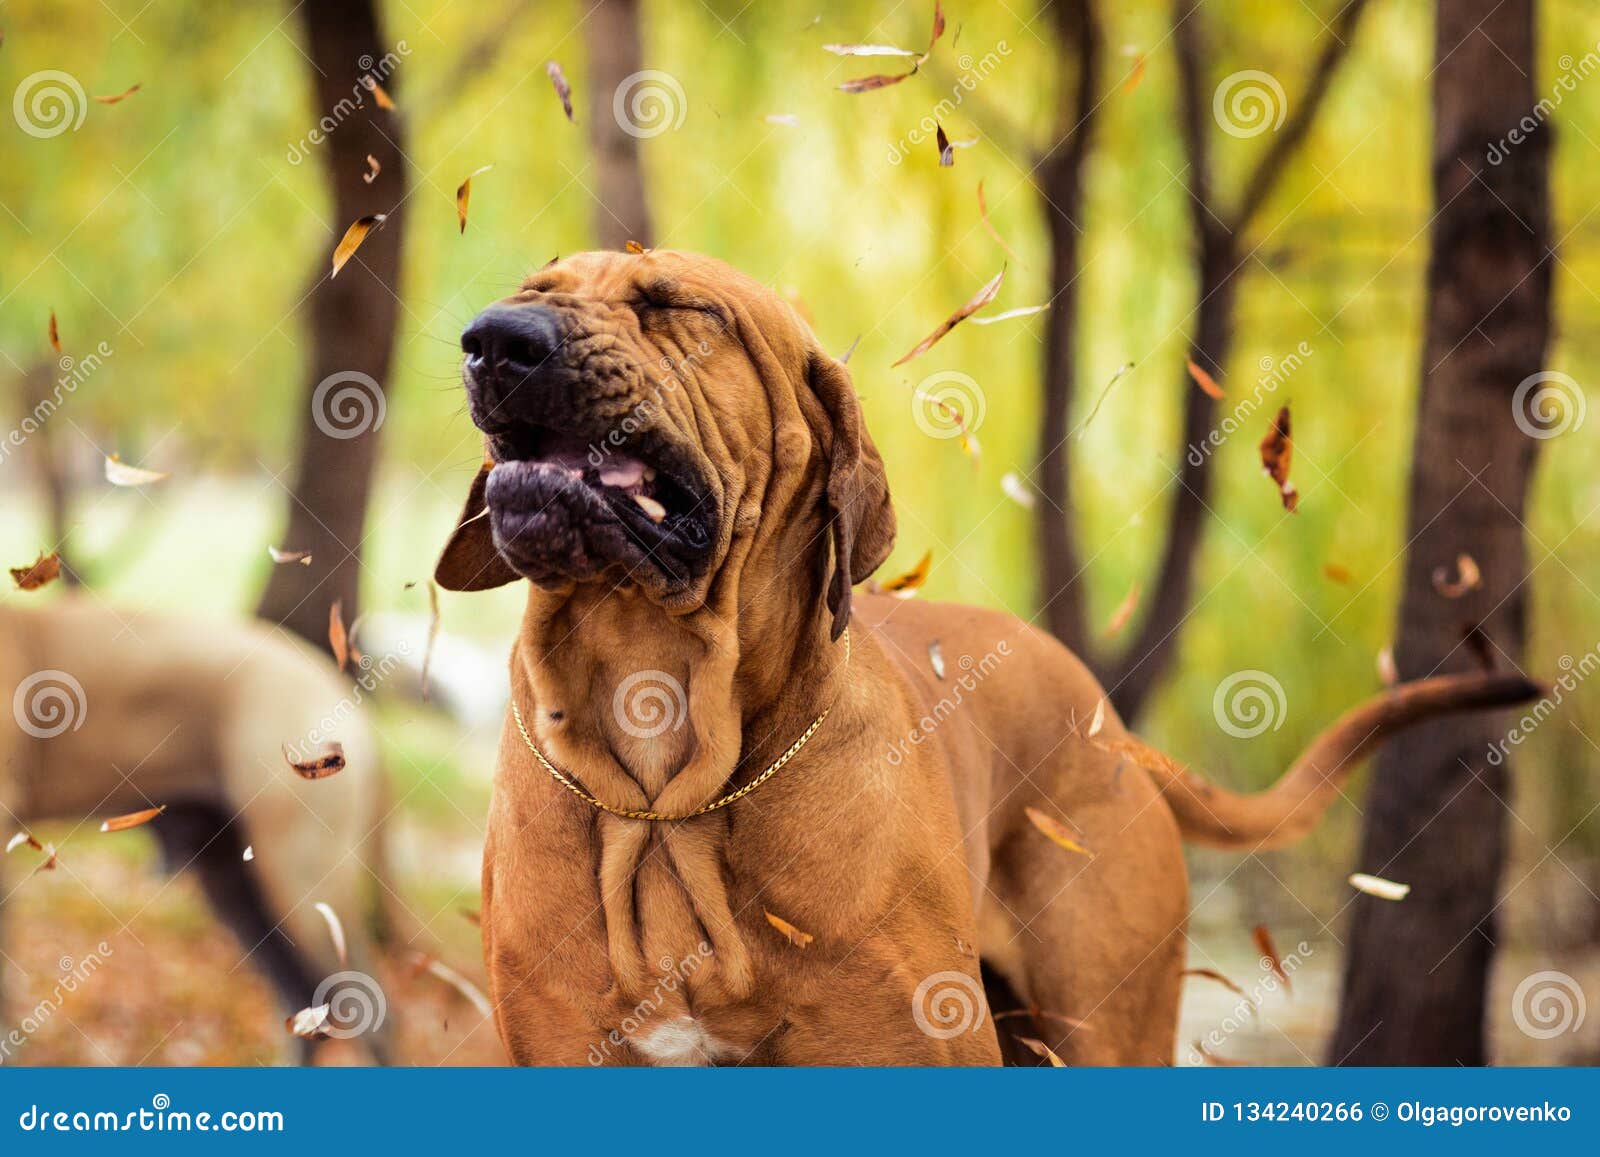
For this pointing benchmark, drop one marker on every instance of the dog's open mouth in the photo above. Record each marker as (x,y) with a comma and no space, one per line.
(565,506)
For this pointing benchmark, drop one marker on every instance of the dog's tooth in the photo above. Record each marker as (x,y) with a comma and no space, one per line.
(649,474)
(651,507)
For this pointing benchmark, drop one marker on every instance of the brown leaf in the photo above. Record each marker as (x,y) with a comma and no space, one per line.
(790,933)
(44,569)
(472,916)
(55,333)
(464,194)
(1040,1049)
(373,169)
(330,762)
(1212,974)
(1269,954)
(119,473)
(635,248)
(48,864)
(335,931)
(563,89)
(121,96)
(284,557)
(1124,612)
(338,638)
(905,585)
(983,215)
(378,94)
(1337,573)
(352,239)
(132,819)
(19,840)
(309,1023)
(947,152)
(1470,578)
(1057,832)
(1202,379)
(871,83)
(976,302)
(1276,450)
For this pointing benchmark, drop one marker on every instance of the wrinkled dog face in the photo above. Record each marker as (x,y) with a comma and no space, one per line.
(593,386)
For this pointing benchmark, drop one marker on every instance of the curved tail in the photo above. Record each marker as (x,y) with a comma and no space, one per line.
(1289,809)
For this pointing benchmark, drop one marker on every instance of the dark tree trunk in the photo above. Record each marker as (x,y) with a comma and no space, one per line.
(1416,973)
(622,211)
(352,324)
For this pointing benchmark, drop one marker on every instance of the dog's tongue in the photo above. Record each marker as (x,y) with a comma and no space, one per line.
(622,472)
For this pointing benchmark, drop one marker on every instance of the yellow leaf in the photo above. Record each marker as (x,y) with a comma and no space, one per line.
(352,239)
(1057,832)
(792,934)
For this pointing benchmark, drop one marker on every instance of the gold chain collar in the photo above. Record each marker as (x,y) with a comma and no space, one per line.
(656,817)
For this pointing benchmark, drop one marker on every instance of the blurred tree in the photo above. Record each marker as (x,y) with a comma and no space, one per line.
(352,324)
(622,210)
(1220,252)
(1416,975)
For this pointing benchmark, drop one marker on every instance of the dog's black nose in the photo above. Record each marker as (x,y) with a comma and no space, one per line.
(510,341)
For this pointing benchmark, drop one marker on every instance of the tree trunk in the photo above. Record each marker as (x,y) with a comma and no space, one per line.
(352,323)
(622,211)
(1416,974)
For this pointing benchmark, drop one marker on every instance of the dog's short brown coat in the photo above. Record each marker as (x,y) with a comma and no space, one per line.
(898,838)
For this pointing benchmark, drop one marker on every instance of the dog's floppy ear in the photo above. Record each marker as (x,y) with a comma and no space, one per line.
(469,561)
(857,495)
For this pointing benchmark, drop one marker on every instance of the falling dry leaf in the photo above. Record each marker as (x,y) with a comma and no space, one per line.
(1470,578)
(1023,311)
(563,89)
(635,248)
(352,239)
(790,933)
(121,96)
(844,358)
(1135,75)
(983,215)
(284,557)
(378,93)
(968,441)
(1212,974)
(338,637)
(433,636)
(869,83)
(1098,723)
(905,585)
(1276,449)
(132,819)
(1040,1049)
(335,931)
(19,840)
(1379,887)
(1105,392)
(249,853)
(1387,671)
(947,153)
(1057,832)
(458,982)
(1269,954)
(119,473)
(373,169)
(978,300)
(55,333)
(464,194)
(1018,491)
(1337,573)
(44,569)
(1202,379)
(1124,612)
(867,50)
(309,1023)
(48,864)
(1142,754)
(330,762)
(936,658)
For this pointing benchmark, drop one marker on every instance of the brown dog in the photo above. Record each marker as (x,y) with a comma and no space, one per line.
(684,477)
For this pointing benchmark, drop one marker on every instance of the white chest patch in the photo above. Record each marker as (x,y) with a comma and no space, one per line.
(682,1042)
